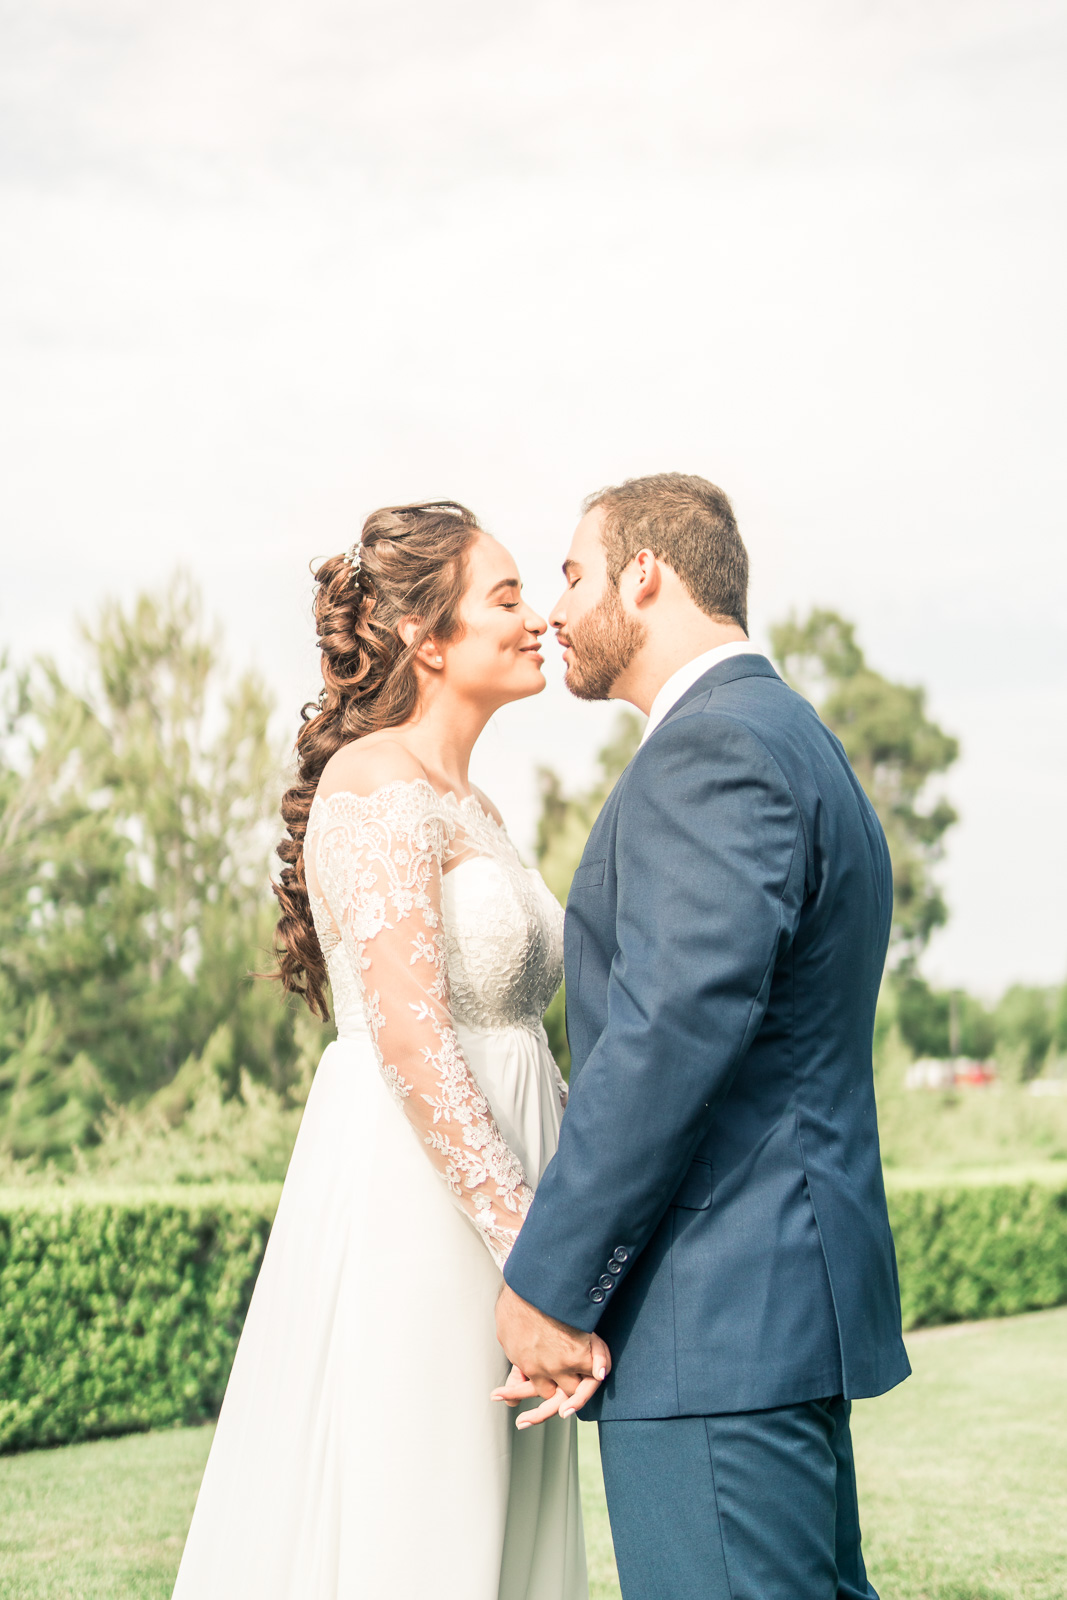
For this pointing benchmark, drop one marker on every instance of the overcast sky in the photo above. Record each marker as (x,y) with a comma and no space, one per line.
(268,266)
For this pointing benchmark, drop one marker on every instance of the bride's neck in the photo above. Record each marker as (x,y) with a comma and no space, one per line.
(442,735)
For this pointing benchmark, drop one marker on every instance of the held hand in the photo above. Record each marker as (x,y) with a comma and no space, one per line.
(561,1365)
(518,1388)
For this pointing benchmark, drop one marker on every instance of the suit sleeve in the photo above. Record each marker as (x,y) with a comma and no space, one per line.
(710,859)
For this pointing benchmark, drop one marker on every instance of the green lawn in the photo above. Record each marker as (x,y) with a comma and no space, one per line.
(100,1521)
(963,1482)
(963,1469)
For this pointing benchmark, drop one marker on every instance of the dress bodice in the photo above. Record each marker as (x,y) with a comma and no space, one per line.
(503,930)
(428,921)
(502,927)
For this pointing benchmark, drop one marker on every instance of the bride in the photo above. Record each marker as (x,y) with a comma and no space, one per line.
(358,1455)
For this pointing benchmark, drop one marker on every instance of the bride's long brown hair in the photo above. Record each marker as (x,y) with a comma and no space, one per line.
(412,565)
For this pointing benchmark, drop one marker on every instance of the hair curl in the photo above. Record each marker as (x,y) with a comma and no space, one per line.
(412,565)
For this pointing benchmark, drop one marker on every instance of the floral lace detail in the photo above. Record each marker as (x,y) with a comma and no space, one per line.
(375,867)
(503,934)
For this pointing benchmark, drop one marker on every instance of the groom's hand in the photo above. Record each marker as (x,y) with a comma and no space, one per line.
(561,1364)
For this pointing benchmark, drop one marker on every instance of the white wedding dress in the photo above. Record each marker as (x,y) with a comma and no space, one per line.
(358,1455)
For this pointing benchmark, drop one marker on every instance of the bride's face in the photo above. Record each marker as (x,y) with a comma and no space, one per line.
(497,653)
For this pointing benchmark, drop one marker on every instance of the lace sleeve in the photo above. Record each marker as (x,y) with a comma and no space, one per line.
(377,861)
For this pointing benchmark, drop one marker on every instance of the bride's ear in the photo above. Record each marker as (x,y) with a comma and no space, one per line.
(429,652)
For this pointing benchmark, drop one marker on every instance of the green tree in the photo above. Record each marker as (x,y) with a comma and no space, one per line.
(194,779)
(1025,1020)
(1059,1026)
(939,1022)
(62,868)
(974,1027)
(895,750)
(135,836)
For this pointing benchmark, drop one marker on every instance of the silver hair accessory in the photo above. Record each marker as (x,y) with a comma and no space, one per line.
(354,556)
(322,698)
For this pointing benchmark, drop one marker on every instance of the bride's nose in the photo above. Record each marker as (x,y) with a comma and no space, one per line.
(535,624)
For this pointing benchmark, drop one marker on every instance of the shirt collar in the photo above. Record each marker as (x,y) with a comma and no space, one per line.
(678,682)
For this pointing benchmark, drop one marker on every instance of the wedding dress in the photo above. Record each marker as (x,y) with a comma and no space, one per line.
(358,1455)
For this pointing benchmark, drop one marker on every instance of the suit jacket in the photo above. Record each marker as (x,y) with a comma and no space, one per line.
(716,1207)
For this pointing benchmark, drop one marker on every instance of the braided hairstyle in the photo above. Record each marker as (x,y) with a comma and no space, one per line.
(412,565)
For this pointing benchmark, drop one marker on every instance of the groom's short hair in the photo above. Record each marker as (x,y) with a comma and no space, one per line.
(686,522)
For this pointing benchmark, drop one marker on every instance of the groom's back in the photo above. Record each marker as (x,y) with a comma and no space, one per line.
(771,1276)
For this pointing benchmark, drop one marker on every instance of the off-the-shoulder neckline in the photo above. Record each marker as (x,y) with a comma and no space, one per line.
(459,801)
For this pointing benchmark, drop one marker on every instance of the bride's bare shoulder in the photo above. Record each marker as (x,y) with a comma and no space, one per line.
(367,764)
(486,804)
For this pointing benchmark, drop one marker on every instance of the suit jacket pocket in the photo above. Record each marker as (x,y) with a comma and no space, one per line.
(588,874)
(694,1191)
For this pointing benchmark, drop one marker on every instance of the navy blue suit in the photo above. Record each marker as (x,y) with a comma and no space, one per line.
(716,1207)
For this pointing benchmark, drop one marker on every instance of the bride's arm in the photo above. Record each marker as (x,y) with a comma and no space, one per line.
(378,864)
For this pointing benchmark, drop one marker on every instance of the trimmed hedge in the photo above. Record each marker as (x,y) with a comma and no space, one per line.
(989,1244)
(120,1310)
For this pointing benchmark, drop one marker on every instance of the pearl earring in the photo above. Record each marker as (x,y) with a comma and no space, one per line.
(439,660)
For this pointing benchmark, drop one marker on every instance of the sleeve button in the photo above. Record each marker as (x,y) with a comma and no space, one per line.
(597,1295)
(606,1282)
(614,1266)
(622,1254)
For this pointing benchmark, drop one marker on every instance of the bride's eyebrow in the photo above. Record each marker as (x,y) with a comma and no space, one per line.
(504,583)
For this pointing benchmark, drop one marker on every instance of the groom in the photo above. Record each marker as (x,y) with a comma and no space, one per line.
(715,1211)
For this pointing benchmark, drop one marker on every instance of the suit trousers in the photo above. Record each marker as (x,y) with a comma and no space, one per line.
(754,1505)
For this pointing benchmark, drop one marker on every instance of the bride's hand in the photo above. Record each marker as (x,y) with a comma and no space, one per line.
(518,1388)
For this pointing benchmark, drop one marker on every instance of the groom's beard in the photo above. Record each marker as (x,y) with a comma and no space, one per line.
(602,646)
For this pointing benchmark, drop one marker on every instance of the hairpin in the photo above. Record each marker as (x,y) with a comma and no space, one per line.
(354,556)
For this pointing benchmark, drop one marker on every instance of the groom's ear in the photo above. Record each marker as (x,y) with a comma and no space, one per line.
(642,578)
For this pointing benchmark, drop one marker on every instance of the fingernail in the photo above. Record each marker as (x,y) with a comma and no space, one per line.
(602,1373)
(521,1424)
(566,1411)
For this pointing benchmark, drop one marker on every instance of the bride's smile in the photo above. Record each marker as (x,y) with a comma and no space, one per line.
(496,655)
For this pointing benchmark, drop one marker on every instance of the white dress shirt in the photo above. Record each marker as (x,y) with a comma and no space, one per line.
(678,682)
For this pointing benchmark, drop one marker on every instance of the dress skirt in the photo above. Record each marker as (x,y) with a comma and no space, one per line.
(358,1455)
